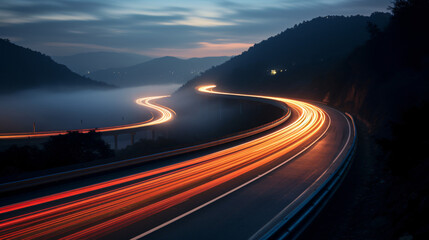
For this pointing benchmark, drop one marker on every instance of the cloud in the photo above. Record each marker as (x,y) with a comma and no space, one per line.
(199,22)
(169,27)
(203,49)
(87,46)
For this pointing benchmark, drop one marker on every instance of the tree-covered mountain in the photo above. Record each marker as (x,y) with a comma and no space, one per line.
(374,66)
(296,55)
(22,68)
(164,70)
(388,74)
(84,63)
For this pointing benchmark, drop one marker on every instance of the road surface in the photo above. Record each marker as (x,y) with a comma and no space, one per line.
(229,194)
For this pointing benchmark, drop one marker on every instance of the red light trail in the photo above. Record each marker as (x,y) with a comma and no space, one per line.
(166,114)
(139,196)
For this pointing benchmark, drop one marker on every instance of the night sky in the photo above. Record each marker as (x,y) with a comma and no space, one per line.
(162,27)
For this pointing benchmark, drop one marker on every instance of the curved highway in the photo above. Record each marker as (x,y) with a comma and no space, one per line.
(229,194)
(165,113)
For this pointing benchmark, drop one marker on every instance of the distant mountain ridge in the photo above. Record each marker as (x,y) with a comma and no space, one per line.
(164,70)
(22,69)
(84,63)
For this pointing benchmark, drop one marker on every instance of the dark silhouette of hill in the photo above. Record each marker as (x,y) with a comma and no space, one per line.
(388,74)
(162,70)
(84,63)
(22,68)
(297,54)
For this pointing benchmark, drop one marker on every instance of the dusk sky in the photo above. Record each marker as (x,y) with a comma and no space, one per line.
(164,27)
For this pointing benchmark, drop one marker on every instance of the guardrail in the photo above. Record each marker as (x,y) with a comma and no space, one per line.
(46,179)
(294,223)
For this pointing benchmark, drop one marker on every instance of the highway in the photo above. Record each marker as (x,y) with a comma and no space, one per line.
(232,193)
(165,114)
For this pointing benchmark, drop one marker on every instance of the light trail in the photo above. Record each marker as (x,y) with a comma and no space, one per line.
(166,114)
(72,215)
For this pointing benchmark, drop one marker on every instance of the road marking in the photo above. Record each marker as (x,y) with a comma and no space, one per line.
(230,191)
(279,215)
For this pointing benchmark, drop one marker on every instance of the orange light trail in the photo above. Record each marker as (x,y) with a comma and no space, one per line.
(166,114)
(142,195)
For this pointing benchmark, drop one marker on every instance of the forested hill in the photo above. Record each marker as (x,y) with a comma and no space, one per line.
(389,74)
(297,54)
(22,68)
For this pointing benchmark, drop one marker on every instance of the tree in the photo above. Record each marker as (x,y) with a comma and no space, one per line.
(373,29)
(76,147)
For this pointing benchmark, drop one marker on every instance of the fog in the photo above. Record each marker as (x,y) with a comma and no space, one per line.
(205,117)
(200,118)
(75,110)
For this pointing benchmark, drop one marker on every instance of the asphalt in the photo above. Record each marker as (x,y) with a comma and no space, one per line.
(66,185)
(242,213)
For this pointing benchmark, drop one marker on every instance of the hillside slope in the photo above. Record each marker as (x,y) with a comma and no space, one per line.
(22,68)
(308,49)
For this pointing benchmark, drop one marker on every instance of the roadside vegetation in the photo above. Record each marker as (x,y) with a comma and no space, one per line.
(58,151)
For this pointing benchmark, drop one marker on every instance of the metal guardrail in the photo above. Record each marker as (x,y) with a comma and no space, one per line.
(295,222)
